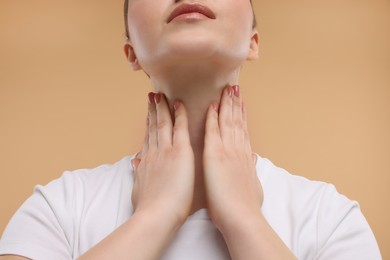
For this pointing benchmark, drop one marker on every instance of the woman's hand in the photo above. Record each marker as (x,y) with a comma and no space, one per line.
(232,186)
(234,192)
(164,173)
(163,188)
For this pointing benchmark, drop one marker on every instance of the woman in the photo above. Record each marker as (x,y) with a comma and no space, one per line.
(195,190)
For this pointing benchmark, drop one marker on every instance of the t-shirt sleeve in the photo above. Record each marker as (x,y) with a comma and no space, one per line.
(343,231)
(36,230)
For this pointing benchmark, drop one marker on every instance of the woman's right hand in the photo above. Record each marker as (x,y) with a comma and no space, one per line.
(163,188)
(164,170)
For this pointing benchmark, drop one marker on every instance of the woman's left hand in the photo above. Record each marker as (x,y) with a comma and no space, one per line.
(233,189)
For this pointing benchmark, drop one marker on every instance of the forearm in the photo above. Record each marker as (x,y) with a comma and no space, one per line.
(143,236)
(253,238)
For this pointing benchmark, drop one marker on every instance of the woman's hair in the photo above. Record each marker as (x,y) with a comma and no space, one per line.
(126,7)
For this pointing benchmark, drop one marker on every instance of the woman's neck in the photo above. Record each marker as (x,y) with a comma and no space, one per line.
(196,89)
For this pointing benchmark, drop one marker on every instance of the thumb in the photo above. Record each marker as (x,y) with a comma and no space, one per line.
(135,162)
(254,158)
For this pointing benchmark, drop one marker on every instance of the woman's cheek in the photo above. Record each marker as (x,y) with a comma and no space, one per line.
(242,13)
(143,33)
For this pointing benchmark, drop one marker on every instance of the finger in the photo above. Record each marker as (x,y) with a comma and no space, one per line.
(145,146)
(152,124)
(212,131)
(225,118)
(254,158)
(238,121)
(245,128)
(180,128)
(134,194)
(164,121)
(135,162)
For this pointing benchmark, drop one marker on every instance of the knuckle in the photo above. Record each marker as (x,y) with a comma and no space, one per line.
(162,124)
(180,120)
(237,102)
(214,130)
(178,113)
(212,127)
(239,123)
(152,130)
(176,128)
(228,122)
(152,125)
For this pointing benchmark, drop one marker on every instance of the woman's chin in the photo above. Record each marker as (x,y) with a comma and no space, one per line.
(193,50)
(190,65)
(200,52)
(193,54)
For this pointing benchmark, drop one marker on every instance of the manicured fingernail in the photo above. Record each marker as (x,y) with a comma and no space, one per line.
(132,163)
(135,162)
(176,105)
(230,91)
(157,98)
(151,97)
(215,106)
(236,90)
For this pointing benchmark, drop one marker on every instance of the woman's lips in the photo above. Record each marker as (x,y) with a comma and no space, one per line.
(195,11)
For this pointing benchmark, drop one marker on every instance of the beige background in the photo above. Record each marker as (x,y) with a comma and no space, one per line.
(318,98)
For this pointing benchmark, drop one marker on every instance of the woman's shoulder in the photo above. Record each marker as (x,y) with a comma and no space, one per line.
(65,212)
(88,191)
(298,197)
(103,171)
(91,178)
(278,180)
(312,216)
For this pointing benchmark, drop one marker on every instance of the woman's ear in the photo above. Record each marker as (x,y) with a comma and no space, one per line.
(131,57)
(254,46)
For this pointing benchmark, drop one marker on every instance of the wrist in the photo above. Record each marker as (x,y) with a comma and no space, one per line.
(159,219)
(242,223)
(253,238)
(144,225)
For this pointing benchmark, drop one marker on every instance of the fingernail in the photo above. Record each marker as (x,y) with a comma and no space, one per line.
(236,90)
(215,106)
(151,97)
(133,164)
(176,105)
(157,98)
(230,91)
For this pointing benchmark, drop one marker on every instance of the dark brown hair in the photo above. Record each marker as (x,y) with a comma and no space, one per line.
(126,8)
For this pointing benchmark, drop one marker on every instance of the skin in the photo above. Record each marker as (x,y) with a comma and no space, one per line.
(196,122)
(192,61)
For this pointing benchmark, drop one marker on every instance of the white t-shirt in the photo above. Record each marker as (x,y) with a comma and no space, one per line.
(68,216)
